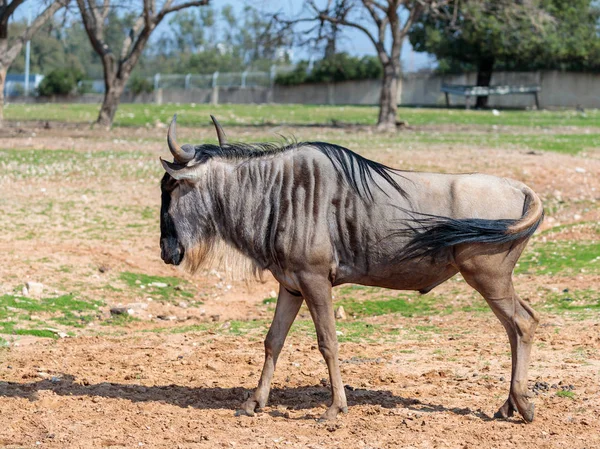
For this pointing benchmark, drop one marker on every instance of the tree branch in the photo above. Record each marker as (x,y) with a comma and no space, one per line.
(43,18)
(148,13)
(330,19)
(129,40)
(93,27)
(167,8)
(17,44)
(6,12)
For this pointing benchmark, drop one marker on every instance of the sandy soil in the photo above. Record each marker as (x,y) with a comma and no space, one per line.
(127,387)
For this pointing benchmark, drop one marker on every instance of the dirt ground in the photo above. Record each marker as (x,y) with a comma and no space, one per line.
(136,386)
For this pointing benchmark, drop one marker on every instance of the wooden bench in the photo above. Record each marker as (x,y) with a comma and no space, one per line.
(482,91)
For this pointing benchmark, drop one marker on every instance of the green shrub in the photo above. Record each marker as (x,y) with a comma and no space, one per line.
(139,85)
(60,82)
(339,67)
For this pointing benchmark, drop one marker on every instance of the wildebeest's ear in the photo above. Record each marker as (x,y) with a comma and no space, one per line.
(180,172)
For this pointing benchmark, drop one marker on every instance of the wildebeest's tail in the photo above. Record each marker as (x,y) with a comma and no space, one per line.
(430,234)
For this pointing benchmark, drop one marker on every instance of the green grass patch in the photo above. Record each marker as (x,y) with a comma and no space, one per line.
(21,315)
(403,305)
(42,333)
(164,288)
(581,302)
(65,303)
(276,114)
(565,394)
(563,258)
(120,320)
(360,301)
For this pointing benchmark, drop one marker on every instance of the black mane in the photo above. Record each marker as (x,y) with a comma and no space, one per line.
(355,169)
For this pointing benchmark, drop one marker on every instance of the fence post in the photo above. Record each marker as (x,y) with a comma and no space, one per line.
(244,75)
(187,81)
(157,89)
(272,74)
(215,88)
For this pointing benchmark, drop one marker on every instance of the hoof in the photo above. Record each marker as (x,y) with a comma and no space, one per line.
(248,408)
(506,411)
(529,413)
(331,413)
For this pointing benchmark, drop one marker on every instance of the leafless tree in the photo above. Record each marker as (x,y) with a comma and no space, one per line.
(10,48)
(386,23)
(118,68)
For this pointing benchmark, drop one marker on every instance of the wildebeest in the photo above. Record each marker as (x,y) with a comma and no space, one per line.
(318,215)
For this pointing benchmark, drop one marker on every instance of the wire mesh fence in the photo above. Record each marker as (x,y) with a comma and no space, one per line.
(201,81)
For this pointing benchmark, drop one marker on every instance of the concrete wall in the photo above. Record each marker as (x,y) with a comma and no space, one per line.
(559,89)
(348,92)
(570,89)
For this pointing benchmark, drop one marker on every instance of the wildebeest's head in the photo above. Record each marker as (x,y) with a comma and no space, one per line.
(183,228)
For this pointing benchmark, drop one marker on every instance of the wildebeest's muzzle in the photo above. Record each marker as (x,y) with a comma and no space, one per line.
(171,251)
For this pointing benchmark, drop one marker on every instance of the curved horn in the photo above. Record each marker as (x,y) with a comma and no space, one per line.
(181,154)
(220,133)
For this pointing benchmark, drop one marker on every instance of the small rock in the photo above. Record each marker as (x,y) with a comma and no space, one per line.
(118,310)
(34,288)
(159,285)
(58,333)
(580,170)
(103,268)
(496,112)
(340,313)
(215,317)
(272,294)
(183,304)
(137,306)
(166,317)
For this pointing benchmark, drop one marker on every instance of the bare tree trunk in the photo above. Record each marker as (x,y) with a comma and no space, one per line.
(118,68)
(484,76)
(2,83)
(388,100)
(112,99)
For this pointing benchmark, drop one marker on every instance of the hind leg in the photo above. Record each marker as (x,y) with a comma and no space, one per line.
(519,320)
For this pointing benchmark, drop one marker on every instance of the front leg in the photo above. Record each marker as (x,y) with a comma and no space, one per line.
(317,292)
(285,312)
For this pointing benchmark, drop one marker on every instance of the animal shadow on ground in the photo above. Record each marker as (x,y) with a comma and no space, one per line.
(205,398)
